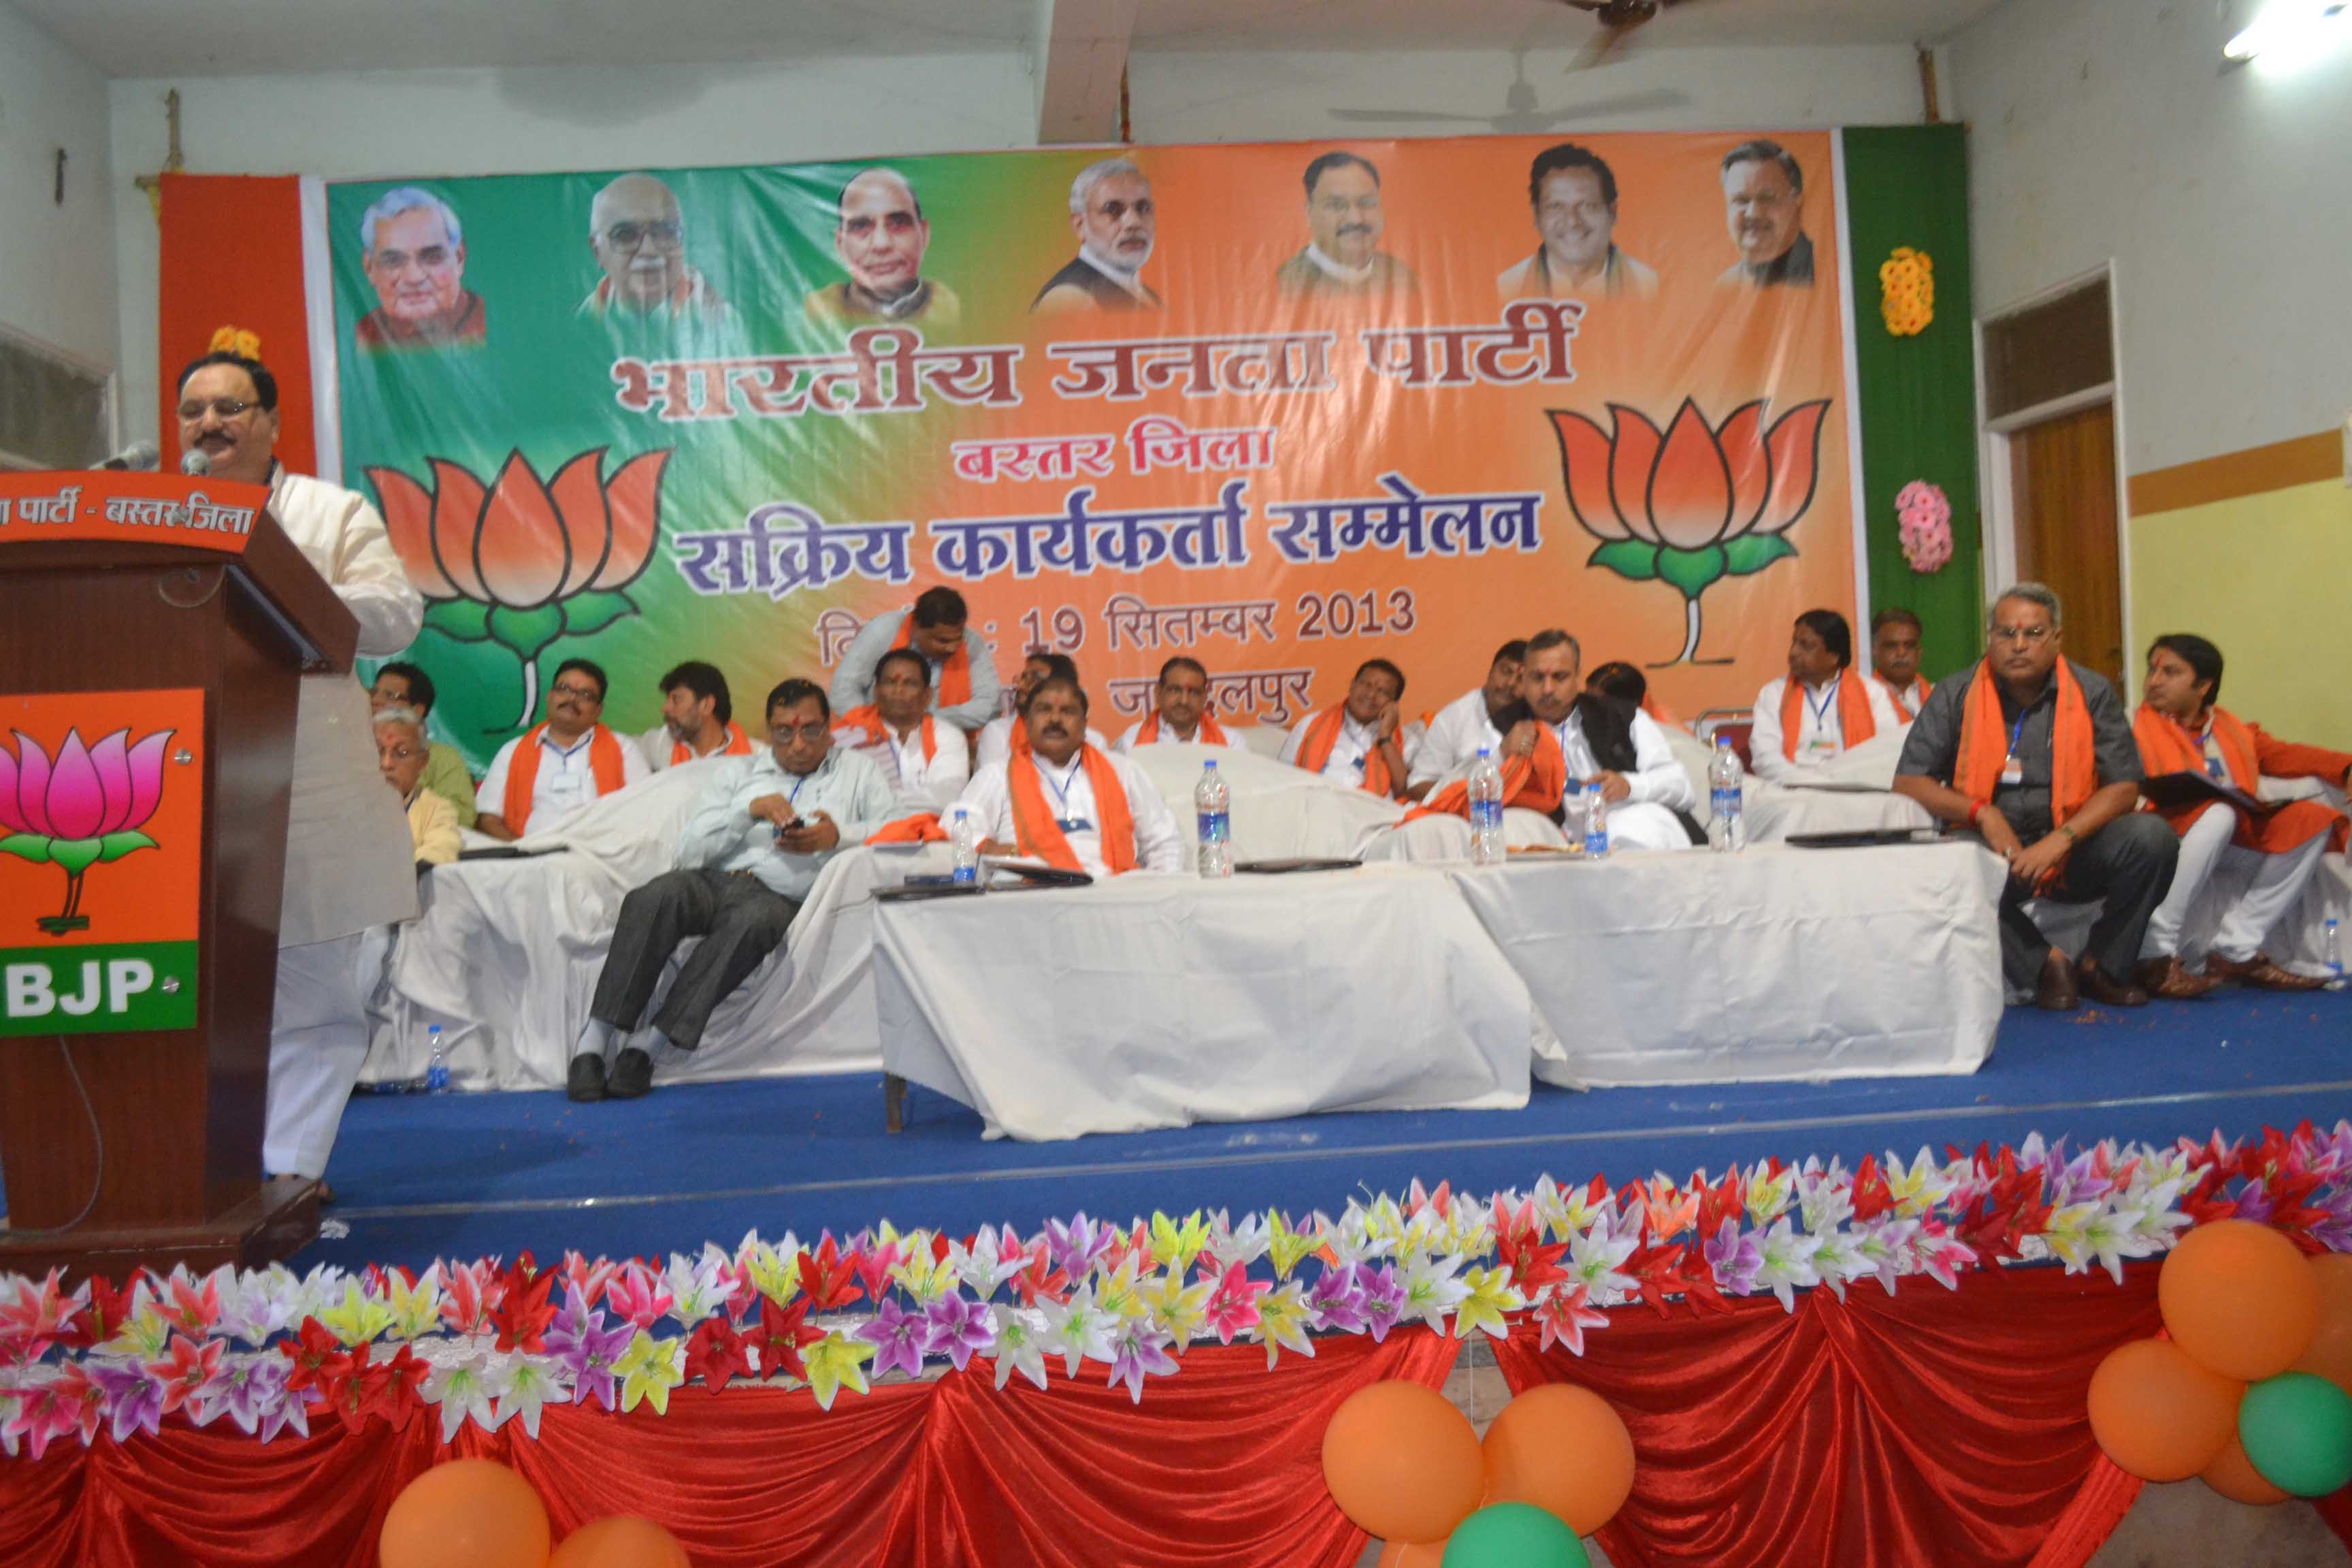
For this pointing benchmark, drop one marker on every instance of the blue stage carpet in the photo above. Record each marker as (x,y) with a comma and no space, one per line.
(464,1175)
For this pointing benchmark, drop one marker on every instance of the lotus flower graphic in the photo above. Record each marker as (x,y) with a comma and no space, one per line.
(83,808)
(520,561)
(1694,503)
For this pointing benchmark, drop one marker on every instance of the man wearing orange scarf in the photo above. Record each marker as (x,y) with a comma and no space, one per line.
(2182,730)
(1180,713)
(927,762)
(1069,803)
(1479,717)
(1820,708)
(543,778)
(1894,634)
(698,719)
(964,689)
(2033,753)
(1357,742)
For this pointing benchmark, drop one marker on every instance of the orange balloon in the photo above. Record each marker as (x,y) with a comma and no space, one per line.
(467,1513)
(622,1541)
(1561,1448)
(2330,1354)
(1400,1554)
(1402,1462)
(2159,1415)
(2239,1298)
(2234,1477)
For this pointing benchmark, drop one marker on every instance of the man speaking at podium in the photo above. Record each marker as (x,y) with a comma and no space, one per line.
(349,858)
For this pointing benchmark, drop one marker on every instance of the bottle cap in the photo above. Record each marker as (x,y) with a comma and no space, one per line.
(1485,750)
(1212,764)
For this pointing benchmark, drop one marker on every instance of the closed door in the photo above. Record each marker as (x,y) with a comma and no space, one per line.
(2063,485)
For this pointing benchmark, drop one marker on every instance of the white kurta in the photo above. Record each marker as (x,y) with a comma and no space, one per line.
(1455,735)
(1913,696)
(1820,735)
(1350,748)
(1125,745)
(919,783)
(1070,795)
(565,784)
(1659,785)
(996,741)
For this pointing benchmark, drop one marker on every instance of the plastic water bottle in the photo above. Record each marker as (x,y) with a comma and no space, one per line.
(1596,824)
(964,836)
(1485,810)
(1211,806)
(1571,814)
(1726,832)
(2335,959)
(436,1066)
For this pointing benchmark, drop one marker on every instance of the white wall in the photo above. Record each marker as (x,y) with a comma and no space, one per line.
(56,263)
(1279,96)
(2111,129)
(362,125)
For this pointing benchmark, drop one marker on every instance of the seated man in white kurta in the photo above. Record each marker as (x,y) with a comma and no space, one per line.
(1360,742)
(1180,713)
(1069,803)
(927,762)
(1821,710)
(1473,720)
(549,775)
(1610,747)
(1002,737)
(348,857)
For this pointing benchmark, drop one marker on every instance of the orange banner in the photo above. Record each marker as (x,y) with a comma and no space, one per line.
(130,509)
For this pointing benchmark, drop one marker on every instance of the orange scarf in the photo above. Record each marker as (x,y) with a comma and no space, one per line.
(1855,722)
(922,828)
(1984,743)
(1323,733)
(955,675)
(1660,714)
(736,745)
(1209,733)
(1904,710)
(2166,747)
(869,722)
(522,772)
(1535,782)
(1035,833)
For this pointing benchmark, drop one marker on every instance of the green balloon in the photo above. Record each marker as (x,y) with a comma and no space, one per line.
(1514,1535)
(2297,1431)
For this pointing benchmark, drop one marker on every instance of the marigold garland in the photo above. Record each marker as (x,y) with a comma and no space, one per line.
(1906,282)
(490,1343)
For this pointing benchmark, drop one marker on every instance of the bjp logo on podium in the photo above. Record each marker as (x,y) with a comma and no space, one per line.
(116,949)
(1692,503)
(522,560)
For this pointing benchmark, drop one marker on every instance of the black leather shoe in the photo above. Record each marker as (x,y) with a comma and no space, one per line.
(585,1083)
(2054,992)
(2109,992)
(633,1075)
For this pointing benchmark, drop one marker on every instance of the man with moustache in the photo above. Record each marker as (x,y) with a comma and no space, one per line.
(1361,740)
(881,237)
(1070,803)
(1764,200)
(638,237)
(1606,746)
(1343,259)
(1574,193)
(413,252)
(2033,753)
(927,761)
(1821,710)
(1001,738)
(698,719)
(761,831)
(1116,221)
(547,776)
(1180,713)
(1894,661)
(1478,717)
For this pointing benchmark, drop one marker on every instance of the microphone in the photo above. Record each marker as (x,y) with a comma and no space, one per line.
(195,464)
(140,455)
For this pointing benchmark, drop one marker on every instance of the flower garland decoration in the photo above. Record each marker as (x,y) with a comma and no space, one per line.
(490,1343)
(1926,525)
(1907,283)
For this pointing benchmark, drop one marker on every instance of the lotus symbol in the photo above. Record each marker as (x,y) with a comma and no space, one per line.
(1695,502)
(84,808)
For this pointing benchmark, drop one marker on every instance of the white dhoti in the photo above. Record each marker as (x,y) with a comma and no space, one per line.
(1444,838)
(1639,824)
(349,875)
(2258,888)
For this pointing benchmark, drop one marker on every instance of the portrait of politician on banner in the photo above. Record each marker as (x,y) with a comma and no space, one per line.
(1279,409)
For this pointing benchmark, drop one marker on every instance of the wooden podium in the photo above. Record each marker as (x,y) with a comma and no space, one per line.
(120,596)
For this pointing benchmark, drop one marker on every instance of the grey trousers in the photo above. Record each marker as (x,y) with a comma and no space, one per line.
(740,921)
(2126,867)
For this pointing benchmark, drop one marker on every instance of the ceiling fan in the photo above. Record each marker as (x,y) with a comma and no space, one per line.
(1620,20)
(1520,115)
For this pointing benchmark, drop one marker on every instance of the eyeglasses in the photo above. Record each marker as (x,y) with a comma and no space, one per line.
(2033,636)
(227,408)
(783,735)
(579,693)
(628,235)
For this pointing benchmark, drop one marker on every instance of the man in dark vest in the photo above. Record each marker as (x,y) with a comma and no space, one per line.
(1112,215)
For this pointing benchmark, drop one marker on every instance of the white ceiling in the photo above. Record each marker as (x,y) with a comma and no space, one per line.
(222,38)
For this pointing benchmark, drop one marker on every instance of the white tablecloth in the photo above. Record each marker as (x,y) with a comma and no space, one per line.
(1278,812)
(1774,963)
(1162,1001)
(1849,794)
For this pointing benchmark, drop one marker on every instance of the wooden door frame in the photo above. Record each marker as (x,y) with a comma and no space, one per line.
(1995,469)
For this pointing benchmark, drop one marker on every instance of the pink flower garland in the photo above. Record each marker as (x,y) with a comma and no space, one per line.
(1926,531)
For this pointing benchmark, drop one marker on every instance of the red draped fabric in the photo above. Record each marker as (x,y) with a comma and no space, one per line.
(1933,1430)
(1221,1465)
